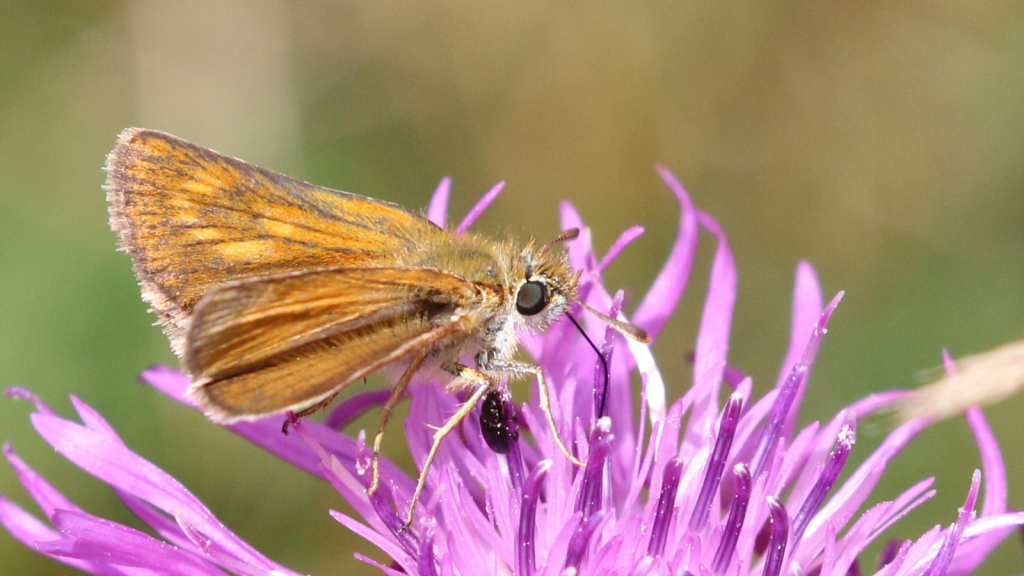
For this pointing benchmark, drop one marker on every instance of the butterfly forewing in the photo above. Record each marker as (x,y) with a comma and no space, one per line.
(193,219)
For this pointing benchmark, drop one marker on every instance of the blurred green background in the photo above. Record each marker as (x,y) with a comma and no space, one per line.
(882,141)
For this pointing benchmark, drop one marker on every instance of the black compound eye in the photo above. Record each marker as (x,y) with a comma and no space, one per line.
(532,298)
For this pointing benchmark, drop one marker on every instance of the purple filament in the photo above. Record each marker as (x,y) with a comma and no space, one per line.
(789,390)
(525,553)
(592,485)
(406,537)
(580,540)
(666,502)
(716,462)
(734,523)
(827,479)
(779,535)
(425,560)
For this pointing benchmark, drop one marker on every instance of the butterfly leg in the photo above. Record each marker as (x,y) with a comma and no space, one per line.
(294,417)
(513,367)
(385,415)
(483,386)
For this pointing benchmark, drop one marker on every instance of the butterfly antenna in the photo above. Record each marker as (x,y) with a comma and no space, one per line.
(565,236)
(625,328)
(604,365)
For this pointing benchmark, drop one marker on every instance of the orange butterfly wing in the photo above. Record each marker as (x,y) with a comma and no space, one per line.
(193,219)
(280,343)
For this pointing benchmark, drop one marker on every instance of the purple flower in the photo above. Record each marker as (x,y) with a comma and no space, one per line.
(692,487)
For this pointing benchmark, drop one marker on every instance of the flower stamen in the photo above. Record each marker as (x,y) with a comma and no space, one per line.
(779,536)
(829,474)
(734,523)
(716,463)
(581,539)
(592,487)
(666,502)
(525,544)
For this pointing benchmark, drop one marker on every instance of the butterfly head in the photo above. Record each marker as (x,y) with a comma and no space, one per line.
(546,286)
(550,285)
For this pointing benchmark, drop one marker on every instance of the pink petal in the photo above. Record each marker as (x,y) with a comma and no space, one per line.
(667,289)
(479,208)
(437,209)
(624,239)
(713,335)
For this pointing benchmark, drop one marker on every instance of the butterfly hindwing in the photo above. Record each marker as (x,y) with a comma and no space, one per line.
(272,344)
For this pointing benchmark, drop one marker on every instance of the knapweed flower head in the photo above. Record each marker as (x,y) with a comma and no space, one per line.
(707,481)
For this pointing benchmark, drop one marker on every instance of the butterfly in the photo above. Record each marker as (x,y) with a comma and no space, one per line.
(277,294)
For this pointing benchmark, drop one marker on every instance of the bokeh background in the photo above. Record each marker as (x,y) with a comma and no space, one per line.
(882,141)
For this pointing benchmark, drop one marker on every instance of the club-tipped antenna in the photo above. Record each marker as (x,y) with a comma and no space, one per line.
(604,365)
(565,236)
(625,328)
